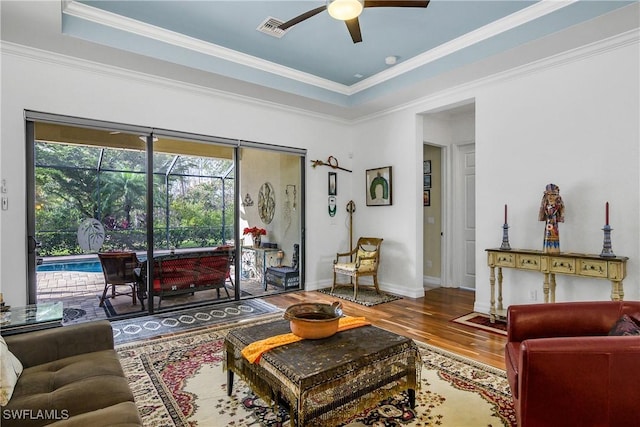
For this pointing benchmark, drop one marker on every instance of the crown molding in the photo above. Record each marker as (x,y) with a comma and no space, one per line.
(466,90)
(132,26)
(58,59)
(102,17)
(535,11)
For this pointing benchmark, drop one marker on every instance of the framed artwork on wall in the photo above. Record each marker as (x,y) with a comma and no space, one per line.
(379,186)
(427,181)
(426,166)
(426,198)
(333,184)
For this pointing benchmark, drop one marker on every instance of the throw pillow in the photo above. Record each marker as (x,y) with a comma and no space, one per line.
(10,370)
(625,326)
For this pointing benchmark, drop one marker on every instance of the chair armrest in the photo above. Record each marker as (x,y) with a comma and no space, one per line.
(38,347)
(344,254)
(528,321)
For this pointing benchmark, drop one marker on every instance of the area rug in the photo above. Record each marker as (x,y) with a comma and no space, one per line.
(138,328)
(179,381)
(366,295)
(482,321)
(123,305)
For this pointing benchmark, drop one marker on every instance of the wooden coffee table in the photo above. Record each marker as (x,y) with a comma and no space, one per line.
(326,381)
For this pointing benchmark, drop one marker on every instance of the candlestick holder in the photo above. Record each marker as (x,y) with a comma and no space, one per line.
(607,252)
(505,238)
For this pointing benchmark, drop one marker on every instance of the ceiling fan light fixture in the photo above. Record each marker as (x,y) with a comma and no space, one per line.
(345,10)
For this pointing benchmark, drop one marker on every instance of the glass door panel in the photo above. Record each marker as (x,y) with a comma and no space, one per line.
(89,190)
(270,222)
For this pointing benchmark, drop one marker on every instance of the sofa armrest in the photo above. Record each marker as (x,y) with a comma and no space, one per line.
(586,378)
(38,347)
(528,321)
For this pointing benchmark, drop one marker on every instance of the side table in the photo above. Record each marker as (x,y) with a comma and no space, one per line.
(32,318)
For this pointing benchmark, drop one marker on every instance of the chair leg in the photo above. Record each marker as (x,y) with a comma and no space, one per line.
(355,288)
(133,293)
(334,281)
(104,295)
(375,283)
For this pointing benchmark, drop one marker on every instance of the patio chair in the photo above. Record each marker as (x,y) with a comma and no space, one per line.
(118,269)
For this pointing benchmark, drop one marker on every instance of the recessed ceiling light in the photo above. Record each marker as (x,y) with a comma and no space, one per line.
(390,60)
(358,76)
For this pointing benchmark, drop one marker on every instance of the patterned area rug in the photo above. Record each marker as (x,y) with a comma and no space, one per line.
(179,381)
(366,295)
(483,321)
(143,327)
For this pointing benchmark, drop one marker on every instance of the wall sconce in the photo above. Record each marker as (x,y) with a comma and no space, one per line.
(247,200)
(294,194)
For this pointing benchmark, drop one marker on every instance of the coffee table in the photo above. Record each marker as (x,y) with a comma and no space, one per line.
(325,381)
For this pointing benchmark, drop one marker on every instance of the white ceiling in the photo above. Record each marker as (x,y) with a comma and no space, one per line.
(314,65)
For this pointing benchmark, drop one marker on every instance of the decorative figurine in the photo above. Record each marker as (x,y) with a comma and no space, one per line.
(552,212)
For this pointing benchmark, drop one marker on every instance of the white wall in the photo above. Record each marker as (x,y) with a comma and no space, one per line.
(568,120)
(63,86)
(575,125)
(572,121)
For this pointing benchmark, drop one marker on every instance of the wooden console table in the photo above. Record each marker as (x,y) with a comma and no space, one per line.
(613,269)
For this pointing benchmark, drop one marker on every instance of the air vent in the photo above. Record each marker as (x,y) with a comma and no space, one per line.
(270,26)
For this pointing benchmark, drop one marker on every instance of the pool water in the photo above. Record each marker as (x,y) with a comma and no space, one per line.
(83,266)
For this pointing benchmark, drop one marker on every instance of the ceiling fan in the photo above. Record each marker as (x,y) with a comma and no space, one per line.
(349,10)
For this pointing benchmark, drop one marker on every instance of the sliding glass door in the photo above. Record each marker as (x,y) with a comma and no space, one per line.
(182,206)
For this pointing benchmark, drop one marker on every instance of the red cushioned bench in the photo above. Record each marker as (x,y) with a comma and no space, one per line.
(189,272)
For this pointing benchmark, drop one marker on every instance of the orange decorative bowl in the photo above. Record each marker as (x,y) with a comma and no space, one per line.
(314,320)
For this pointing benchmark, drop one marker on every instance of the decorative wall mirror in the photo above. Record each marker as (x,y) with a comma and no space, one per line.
(266,202)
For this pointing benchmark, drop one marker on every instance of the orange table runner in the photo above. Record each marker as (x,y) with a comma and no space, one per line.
(254,351)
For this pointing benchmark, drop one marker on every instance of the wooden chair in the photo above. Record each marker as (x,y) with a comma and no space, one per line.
(118,269)
(367,259)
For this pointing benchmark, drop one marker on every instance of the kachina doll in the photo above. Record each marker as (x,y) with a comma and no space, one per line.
(552,212)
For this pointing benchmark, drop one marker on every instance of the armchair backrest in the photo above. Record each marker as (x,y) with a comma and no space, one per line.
(118,267)
(368,247)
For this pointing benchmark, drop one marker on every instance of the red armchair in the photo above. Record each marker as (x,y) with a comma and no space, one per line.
(564,369)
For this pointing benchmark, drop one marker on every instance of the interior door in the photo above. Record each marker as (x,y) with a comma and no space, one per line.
(467,168)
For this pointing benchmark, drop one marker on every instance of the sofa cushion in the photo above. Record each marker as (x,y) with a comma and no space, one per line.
(625,325)
(10,370)
(71,386)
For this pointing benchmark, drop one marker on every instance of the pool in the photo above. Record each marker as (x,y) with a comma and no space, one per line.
(82,266)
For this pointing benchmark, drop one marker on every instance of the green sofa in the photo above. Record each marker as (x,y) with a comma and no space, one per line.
(72,377)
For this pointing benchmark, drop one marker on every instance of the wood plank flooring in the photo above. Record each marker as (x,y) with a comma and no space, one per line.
(426,319)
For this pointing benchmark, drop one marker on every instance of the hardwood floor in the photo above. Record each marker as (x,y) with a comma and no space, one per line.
(426,319)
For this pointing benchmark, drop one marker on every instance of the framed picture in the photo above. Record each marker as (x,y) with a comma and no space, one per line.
(379,186)
(426,166)
(427,181)
(426,198)
(333,184)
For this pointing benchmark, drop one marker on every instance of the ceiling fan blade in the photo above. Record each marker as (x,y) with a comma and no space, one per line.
(290,23)
(353,25)
(396,3)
